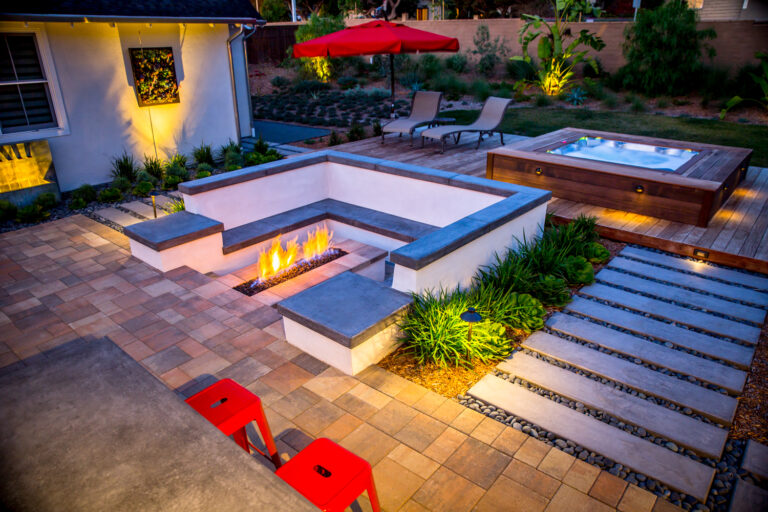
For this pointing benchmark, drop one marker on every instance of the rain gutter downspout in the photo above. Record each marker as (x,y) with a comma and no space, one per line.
(248,78)
(232,76)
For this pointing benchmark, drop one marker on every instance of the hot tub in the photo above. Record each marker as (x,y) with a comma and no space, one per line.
(674,180)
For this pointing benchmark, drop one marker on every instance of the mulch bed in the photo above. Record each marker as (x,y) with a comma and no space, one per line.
(452,381)
(255,286)
(751,420)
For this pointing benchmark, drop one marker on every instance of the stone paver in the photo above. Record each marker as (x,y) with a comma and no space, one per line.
(608,489)
(145,210)
(74,277)
(119,217)
(756,459)
(748,498)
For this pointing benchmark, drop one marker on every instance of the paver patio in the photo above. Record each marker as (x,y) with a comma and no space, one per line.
(75,278)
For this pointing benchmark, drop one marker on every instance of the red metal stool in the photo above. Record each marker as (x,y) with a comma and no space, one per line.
(230,407)
(330,476)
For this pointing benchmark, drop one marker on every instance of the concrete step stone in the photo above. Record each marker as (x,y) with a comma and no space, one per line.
(119,217)
(677,471)
(660,309)
(711,404)
(691,281)
(701,268)
(652,353)
(756,459)
(703,438)
(738,355)
(748,498)
(683,296)
(142,209)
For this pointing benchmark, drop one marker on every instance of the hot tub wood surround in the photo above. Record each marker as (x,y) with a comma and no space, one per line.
(691,194)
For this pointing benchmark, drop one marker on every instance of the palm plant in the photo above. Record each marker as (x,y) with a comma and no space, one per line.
(557,55)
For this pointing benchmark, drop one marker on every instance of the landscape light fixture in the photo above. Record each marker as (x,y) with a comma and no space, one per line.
(700,253)
(154,206)
(470,316)
(639,189)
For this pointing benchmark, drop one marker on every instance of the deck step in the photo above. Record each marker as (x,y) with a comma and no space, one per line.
(689,281)
(142,209)
(703,438)
(738,355)
(652,353)
(683,296)
(681,315)
(701,268)
(676,471)
(716,406)
(119,217)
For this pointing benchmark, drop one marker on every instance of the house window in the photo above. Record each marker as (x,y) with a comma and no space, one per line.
(422,14)
(695,4)
(25,100)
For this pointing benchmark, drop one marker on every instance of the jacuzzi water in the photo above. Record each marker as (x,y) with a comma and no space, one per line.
(627,153)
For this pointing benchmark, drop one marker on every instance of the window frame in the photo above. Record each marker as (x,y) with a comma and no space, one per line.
(51,79)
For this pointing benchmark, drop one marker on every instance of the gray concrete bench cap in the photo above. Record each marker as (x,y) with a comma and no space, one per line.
(172,230)
(347,308)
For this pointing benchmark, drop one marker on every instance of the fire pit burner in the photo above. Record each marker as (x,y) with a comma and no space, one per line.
(257,285)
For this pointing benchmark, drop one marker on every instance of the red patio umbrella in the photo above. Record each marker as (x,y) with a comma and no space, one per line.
(375,38)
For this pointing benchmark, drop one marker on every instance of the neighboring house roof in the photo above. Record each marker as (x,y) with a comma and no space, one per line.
(202,11)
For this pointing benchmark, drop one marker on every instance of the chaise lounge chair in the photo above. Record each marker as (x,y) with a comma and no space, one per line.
(486,124)
(424,108)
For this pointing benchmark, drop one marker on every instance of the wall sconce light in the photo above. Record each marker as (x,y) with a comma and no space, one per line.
(470,316)
(639,189)
(700,253)
(539,171)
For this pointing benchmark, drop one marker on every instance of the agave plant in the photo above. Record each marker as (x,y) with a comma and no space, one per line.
(558,49)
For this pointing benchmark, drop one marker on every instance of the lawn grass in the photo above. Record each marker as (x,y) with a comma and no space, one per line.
(537,121)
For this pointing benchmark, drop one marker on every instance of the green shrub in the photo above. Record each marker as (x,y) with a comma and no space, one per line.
(145,176)
(7,210)
(430,66)
(152,166)
(205,168)
(122,184)
(232,167)
(309,86)
(274,11)
(203,155)
(376,127)
(110,195)
(511,272)
(334,139)
(178,159)
(202,174)
(85,192)
(143,188)
(356,132)
(585,228)
(663,50)
(347,82)
(456,62)
(637,105)
(171,182)
(30,214)
(452,87)
(662,103)
(255,158)
(124,166)
(551,290)
(46,201)
(594,89)
(280,82)
(178,171)
(77,203)
(261,146)
(487,64)
(542,100)
(480,90)
(610,102)
(518,311)
(521,70)
(175,206)
(229,146)
(324,68)
(576,96)
(232,157)
(577,270)
(434,332)
(596,253)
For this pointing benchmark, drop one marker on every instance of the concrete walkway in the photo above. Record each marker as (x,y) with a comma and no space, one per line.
(75,278)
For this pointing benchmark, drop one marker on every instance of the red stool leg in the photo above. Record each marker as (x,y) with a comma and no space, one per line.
(266,434)
(241,438)
(372,495)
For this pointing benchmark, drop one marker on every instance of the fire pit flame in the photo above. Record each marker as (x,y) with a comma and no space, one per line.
(278,258)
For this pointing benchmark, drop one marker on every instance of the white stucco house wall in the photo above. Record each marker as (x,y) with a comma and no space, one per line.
(81,98)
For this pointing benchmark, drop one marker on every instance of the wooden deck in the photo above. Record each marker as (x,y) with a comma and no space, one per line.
(737,234)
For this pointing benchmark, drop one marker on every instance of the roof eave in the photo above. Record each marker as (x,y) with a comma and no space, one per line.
(81,18)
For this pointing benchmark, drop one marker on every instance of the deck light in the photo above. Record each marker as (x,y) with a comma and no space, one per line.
(538,171)
(639,189)
(700,253)
(470,316)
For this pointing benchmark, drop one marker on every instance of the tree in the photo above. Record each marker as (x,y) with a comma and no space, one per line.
(275,10)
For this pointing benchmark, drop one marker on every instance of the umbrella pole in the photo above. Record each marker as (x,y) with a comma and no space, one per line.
(392,83)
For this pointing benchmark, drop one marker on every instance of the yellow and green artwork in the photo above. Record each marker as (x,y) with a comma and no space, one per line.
(154,76)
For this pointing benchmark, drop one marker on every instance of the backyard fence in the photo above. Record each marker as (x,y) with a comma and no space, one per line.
(736,42)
